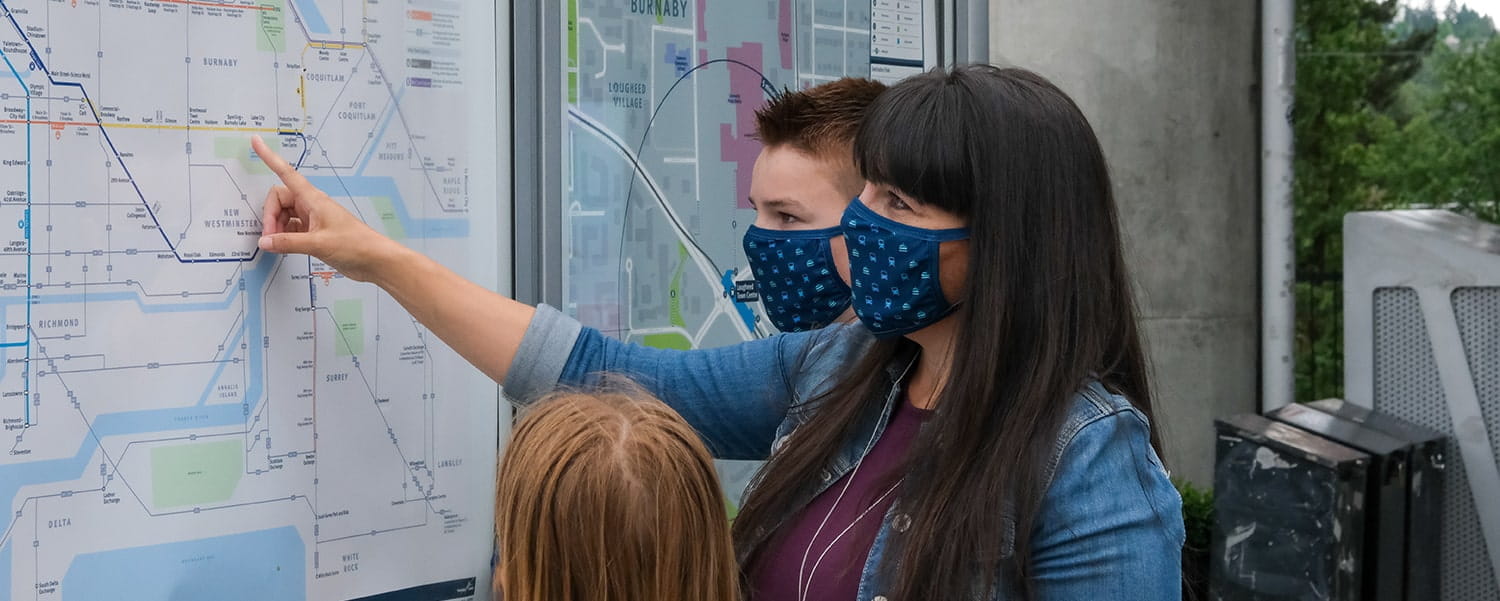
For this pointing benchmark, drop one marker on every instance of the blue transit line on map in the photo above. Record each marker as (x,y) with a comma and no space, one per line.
(379,186)
(306,148)
(25,226)
(15,476)
(36,60)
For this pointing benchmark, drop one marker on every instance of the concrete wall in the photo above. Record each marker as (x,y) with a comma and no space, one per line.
(1169,87)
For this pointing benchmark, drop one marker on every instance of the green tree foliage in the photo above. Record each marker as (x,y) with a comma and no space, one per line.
(1350,64)
(1394,109)
(1443,148)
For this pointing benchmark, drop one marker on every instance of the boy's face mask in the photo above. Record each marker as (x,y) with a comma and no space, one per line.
(795,276)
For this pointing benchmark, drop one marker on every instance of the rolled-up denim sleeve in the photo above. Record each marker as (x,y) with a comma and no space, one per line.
(734,396)
(1111,523)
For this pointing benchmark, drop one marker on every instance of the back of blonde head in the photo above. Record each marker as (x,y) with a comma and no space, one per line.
(610,497)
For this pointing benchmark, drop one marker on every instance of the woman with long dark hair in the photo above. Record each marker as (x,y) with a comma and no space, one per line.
(982,433)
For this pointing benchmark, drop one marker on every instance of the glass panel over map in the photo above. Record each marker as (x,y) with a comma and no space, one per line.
(184,416)
(661,97)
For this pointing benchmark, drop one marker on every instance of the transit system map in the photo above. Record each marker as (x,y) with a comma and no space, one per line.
(181,415)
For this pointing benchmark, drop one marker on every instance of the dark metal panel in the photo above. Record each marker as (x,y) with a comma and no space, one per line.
(1289,513)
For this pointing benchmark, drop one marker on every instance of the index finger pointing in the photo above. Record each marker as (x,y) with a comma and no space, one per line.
(278,165)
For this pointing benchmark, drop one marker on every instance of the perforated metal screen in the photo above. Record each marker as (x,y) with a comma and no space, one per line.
(1407,386)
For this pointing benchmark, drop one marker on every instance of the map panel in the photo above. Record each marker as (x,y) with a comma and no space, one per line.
(181,415)
(661,97)
(661,103)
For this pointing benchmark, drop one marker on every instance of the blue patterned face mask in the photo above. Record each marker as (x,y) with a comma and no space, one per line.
(795,276)
(894,268)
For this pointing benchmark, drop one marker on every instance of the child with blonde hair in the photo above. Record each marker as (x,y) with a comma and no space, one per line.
(610,496)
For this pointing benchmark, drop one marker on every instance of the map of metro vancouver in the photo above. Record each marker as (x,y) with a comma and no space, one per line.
(181,415)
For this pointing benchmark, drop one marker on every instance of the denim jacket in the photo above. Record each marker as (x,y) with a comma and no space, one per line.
(1111,522)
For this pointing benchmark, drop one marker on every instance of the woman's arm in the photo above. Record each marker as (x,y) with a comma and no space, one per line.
(734,396)
(484,327)
(1111,523)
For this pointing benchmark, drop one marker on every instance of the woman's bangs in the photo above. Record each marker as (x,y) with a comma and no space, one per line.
(913,139)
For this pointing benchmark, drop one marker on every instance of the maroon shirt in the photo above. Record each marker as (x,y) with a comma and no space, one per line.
(830,560)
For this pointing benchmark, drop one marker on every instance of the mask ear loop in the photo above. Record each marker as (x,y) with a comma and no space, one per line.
(952,306)
(874,436)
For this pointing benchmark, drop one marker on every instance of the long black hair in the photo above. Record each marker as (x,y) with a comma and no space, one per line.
(1046,309)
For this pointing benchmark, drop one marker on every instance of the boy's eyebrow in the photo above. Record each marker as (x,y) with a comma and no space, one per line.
(775,202)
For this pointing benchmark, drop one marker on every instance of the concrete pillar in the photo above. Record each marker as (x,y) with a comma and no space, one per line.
(1169,86)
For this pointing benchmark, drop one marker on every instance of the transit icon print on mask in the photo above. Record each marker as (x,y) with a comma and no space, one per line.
(795,276)
(893,268)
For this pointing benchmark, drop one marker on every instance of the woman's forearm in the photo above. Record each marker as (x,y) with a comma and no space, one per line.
(483,326)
